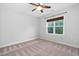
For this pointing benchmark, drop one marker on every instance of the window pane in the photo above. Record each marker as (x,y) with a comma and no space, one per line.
(50,24)
(50,29)
(59,23)
(59,30)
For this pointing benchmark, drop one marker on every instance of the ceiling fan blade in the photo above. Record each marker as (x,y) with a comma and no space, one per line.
(41,11)
(33,4)
(34,9)
(46,6)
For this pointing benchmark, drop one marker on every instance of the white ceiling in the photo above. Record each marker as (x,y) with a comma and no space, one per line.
(27,8)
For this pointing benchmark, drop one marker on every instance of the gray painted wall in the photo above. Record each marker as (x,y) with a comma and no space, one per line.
(71,27)
(16,26)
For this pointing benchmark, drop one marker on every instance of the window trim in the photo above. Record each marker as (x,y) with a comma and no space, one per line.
(54,28)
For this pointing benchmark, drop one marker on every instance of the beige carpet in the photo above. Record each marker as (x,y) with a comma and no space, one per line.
(39,47)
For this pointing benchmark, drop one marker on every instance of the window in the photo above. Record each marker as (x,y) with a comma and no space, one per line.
(56,26)
(50,27)
(59,27)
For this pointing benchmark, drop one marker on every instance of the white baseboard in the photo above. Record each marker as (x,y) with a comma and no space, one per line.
(72,45)
(13,43)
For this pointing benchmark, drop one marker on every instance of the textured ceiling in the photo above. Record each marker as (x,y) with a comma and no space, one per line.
(25,8)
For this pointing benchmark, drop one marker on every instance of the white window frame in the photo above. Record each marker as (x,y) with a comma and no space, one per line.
(54,28)
(50,26)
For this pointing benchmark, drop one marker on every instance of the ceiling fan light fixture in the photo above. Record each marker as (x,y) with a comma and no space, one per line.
(39,8)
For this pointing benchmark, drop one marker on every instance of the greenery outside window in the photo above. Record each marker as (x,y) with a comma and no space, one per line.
(55,27)
(50,27)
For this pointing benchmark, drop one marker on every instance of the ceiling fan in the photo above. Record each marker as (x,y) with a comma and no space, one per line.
(39,6)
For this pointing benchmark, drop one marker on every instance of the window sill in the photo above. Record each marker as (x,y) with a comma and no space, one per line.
(55,34)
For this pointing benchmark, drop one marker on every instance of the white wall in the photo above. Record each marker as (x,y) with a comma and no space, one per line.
(15,26)
(71,27)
